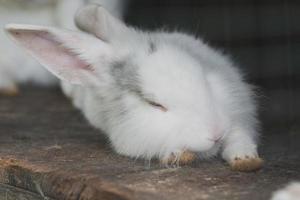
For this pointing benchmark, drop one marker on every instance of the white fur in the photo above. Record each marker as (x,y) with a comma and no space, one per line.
(205,95)
(290,192)
(15,66)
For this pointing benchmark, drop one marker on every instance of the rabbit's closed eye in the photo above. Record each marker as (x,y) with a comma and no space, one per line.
(157,105)
(153,103)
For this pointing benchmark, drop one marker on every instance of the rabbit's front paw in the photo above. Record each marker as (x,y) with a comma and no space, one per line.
(182,158)
(242,157)
(246,163)
(240,151)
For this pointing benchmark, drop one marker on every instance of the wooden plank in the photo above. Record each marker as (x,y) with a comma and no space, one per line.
(8,192)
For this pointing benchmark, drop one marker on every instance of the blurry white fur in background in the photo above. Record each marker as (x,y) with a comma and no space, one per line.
(17,67)
(291,192)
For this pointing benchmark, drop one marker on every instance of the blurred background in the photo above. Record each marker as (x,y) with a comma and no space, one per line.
(262,36)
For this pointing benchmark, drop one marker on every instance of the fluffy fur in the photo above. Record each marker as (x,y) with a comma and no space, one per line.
(155,94)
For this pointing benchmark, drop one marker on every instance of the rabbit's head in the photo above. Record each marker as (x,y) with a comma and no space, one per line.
(159,97)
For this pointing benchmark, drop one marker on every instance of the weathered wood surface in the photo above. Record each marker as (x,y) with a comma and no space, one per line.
(13,193)
(48,150)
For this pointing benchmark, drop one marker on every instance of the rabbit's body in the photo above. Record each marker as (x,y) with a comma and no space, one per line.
(155,94)
(233,97)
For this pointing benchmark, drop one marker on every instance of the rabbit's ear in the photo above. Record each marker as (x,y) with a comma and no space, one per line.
(96,20)
(69,55)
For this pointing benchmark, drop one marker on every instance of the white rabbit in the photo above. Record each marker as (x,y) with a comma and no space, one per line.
(155,94)
(15,66)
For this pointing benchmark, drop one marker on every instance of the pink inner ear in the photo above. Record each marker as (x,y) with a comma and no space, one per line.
(50,52)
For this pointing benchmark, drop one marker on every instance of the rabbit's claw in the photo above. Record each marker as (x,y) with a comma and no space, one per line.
(246,164)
